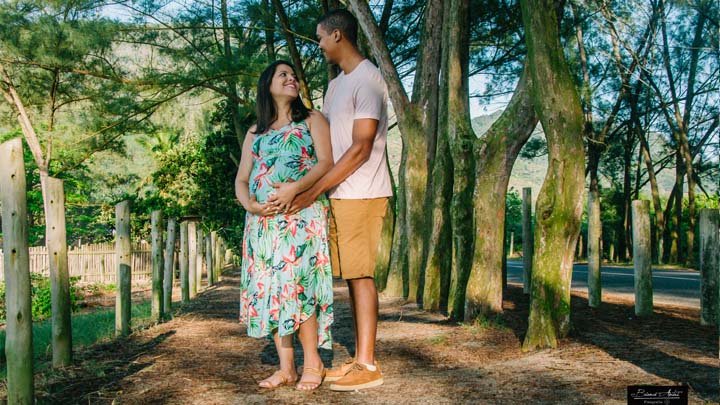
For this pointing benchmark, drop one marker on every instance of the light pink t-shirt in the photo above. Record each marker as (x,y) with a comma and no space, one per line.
(360,94)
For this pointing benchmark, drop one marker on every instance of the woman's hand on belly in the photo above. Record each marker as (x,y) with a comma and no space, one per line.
(265,209)
(283,195)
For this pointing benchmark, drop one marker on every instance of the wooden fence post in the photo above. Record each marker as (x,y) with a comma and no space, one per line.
(192,258)
(123,255)
(56,242)
(511,252)
(199,259)
(184,282)
(528,238)
(209,260)
(158,267)
(642,257)
(169,266)
(709,262)
(593,250)
(215,258)
(16,263)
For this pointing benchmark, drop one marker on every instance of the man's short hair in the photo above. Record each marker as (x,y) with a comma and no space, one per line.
(342,20)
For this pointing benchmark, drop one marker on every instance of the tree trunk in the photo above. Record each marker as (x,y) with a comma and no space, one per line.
(528,238)
(269,32)
(18,330)
(209,261)
(495,155)
(642,258)
(675,253)
(157,266)
(184,263)
(192,258)
(55,231)
(230,81)
(659,217)
(438,263)
(560,201)
(416,120)
(709,262)
(460,139)
(382,261)
(169,268)
(215,259)
(199,257)
(124,260)
(294,53)
(624,226)
(594,254)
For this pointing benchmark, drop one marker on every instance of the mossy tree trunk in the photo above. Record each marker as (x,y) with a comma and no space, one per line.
(496,153)
(438,261)
(560,201)
(460,138)
(417,121)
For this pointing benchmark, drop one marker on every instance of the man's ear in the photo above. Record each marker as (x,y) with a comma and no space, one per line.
(337,35)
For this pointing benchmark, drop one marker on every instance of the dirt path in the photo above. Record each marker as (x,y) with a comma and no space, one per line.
(203,356)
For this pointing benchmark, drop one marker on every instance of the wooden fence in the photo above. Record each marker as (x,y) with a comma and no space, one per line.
(94,263)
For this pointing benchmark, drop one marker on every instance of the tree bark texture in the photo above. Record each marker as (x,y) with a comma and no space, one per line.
(709,265)
(642,258)
(156,228)
(184,263)
(123,254)
(528,236)
(169,265)
(192,258)
(496,153)
(56,242)
(199,257)
(209,261)
(18,330)
(593,245)
(560,201)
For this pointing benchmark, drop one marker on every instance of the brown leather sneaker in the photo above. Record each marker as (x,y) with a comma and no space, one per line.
(359,377)
(337,373)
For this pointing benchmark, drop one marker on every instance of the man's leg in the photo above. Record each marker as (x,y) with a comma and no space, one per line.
(354,315)
(364,298)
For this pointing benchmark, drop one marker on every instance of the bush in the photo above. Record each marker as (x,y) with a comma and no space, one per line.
(41,297)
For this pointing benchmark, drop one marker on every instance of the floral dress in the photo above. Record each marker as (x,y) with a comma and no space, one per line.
(286,275)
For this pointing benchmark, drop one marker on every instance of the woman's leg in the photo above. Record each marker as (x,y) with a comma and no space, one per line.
(284,346)
(309,340)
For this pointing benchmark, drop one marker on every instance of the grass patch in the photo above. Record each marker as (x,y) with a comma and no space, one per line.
(482,324)
(87,328)
(438,340)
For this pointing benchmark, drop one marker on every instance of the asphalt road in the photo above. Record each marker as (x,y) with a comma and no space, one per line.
(677,286)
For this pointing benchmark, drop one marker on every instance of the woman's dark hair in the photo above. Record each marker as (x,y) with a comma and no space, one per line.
(265,105)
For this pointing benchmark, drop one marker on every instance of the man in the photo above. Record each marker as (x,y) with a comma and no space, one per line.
(359,187)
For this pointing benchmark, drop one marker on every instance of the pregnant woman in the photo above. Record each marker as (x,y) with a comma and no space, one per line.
(286,283)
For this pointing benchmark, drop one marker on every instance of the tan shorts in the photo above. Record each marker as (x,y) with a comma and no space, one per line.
(355,229)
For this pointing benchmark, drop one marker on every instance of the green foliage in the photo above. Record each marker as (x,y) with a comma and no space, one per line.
(41,297)
(513,218)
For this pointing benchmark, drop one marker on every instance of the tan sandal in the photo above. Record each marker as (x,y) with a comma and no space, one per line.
(311,370)
(285,379)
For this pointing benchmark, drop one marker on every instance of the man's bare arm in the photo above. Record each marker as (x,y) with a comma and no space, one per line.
(363,137)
